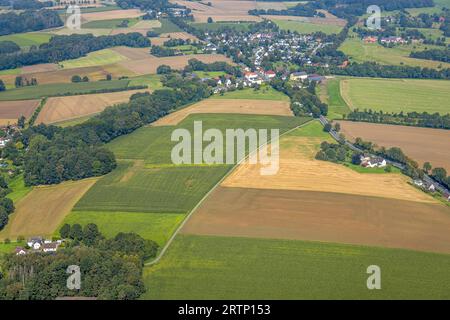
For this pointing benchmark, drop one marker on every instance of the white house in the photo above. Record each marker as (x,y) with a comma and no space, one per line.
(37,240)
(251,76)
(373,162)
(50,247)
(20,251)
(298,76)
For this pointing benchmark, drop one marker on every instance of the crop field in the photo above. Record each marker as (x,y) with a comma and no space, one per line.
(265,93)
(46,90)
(239,106)
(306,27)
(336,104)
(359,51)
(154,226)
(42,210)
(109,24)
(132,53)
(41,67)
(96,58)
(199,267)
(166,26)
(59,109)
(238,26)
(163,37)
(396,95)
(421,144)
(112,14)
(27,39)
(18,187)
(10,111)
(149,65)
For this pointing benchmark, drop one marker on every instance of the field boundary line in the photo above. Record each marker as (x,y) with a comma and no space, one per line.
(189,215)
(344,83)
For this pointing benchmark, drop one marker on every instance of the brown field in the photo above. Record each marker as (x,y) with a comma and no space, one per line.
(133,53)
(150,64)
(60,109)
(159,41)
(300,171)
(421,144)
(44,208)
(10,111)
(221,10)
(271,5)
(323,216)
(129,30)
(330,20)
(113,14)
(42,67)
(264,107)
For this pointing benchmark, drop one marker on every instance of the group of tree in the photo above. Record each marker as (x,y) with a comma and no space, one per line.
(57,154)
(25,82)
(76,78)
(110,268)
(332,152)
(6,204)
(30,20)
(73,46)
(160,51)
(7,47)
(30,4)
(423,119)
(432,54)
(2,86)
(303,10)
(197,65)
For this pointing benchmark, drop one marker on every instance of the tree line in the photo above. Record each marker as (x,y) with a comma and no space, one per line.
(110,268)
(8,47)
(30,20)
(6,204)
(432,54)
(57,154)
(423,119)
(61,48)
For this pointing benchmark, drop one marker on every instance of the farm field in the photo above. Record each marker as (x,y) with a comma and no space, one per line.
(240,106)
(154,226)
(163,37)
(57,89)
(27,39)
(132,53)
(109,24)
(19,189)
(359,51)
(199,267)
(149,65)
(10,111)
(96,58)
(337,107)
(60,109)
(238,26)
(396,95)
(421,144)
(306,27)
(265,93)
(112,14)
(41,211)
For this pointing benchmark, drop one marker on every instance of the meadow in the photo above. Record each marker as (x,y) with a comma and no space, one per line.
(237,26)
(396,95)
(110,24)
(205,267)
(336,105)
(307,27)
(167,26)
(58,89)
(92,59)
(27,39)
(264,93)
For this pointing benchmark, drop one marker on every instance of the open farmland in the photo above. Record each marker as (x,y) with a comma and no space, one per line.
(150,64)
(306,27)
(330,93)
(240,106)
(163,37)
(92,59)
(396,95)
(10,111)
(265,93)
(60,109)
(58,89)
(199,267)
(42,210)
(27,39)
(112,14)
(421,144)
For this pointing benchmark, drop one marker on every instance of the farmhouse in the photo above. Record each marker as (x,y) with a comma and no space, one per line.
(296,76)
(316,77)
(372,162)
(20,251)
(394,40)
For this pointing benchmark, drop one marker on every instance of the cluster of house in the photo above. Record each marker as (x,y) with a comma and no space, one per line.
(385,40)
(38,244)
(302,76)
(372,162)
(425,185)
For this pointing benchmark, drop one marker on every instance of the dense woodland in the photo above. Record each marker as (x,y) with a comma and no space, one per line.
(57,154)
(110,268)
(30,20)
(61,48)
(7,47)
(432,54)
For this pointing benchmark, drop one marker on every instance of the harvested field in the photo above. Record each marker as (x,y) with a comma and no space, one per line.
(60,109)
(96,31)
(163,37)
(271,5)
(264,107)
(221,10)
(44,208)
(94,59)
(133,53)
(113,14)
(334,21)
(129,30)
(323,216)
(421,144)
(149,65)
(42,67)
(300,171)
(10,111)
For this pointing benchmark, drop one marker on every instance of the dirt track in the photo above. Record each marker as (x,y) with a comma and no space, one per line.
(323,216)
(421,144)
(241,106)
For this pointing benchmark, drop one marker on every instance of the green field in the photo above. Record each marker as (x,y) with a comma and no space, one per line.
(209,74)
(359,51)
(152,81)
(201,267)
(159,189)
(154,226)
(394,95)
(109,24)
(55,89)
(96,58)
(307,27)
(336,105)
(94,9)
(167,26)
(27,39)
(16,71)
(19,190)
(237,26)
(265,93)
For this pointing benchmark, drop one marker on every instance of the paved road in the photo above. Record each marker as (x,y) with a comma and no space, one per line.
(426,178)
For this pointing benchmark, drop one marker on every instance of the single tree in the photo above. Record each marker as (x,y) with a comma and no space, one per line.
(64,232)
(210,20)
(18,82)
(327,127)
(21,122)
(76,78)
(76,232)
(2,86)
(427,167)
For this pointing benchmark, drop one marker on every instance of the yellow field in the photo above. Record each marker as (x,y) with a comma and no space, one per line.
(44,208)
